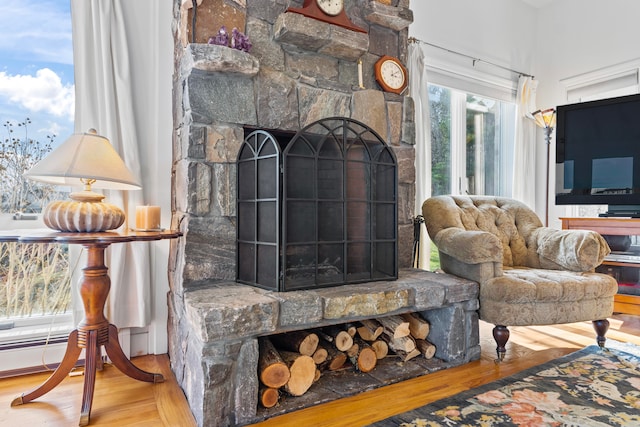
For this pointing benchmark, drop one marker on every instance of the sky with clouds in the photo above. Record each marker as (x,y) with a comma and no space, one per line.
(36,66)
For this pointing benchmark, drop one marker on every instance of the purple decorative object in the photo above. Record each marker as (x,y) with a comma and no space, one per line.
(240,41)
(222,38)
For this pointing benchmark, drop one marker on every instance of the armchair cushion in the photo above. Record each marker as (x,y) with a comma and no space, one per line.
(574,250)
(469,246)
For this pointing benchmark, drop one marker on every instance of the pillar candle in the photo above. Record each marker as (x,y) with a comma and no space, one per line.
(148,217)
(360,81)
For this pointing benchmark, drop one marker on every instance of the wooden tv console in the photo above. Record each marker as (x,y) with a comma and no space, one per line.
(628,304)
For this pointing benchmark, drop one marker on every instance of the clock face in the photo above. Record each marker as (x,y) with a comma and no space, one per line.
(392,74)
(331,7)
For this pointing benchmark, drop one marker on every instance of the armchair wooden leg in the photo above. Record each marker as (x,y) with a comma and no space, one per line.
(601,327)
(501,335)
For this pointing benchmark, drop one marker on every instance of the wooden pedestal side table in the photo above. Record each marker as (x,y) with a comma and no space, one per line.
(94,330)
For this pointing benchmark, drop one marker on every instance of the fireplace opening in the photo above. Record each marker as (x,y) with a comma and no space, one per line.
(316,208)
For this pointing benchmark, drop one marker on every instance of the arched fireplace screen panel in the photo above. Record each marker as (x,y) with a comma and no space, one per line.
(331,213)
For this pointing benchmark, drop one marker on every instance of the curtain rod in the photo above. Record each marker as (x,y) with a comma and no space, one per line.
(474,59)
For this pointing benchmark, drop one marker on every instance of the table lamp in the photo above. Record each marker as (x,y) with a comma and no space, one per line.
(86,159)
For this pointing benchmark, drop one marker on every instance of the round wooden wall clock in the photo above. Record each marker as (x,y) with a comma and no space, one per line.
(391,75)
(329,11)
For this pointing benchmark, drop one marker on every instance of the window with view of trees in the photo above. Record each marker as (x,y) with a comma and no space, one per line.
(34,279)
(36,103)
(472,143)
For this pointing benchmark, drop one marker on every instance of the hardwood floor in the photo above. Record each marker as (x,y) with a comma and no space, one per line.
(122,401)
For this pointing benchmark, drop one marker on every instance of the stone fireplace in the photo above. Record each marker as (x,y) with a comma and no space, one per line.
(298,72)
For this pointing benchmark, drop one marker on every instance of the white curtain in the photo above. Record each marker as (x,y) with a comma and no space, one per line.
(524,164)
(418,91)
(105,93)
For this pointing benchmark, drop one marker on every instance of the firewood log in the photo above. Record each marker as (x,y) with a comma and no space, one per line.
(340,338)
(370,329)
(303,371)
(427,349)
(303,342)
(317,376)
(394,326)
(353,350)
(381,348)
(351,329)
(335,358)
(418,326)
(406,343)
(366,359)
(320,355)
(273,372)
(268,396)
(407,355)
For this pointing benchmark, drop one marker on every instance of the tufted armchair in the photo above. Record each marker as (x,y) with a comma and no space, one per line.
(528,274)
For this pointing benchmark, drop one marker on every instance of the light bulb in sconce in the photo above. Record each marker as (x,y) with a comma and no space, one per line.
(90,161)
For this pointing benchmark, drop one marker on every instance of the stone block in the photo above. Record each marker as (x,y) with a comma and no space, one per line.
(224,194)
(222,143)
(351,301)
(210,95)
(230,311)
(406,158)
(345,44)
(298,308)
(245,394)
(211,245)
(406,205)
(405,245)
(383,41)
(193,187)
(316,104)
(268,10)
(298,30)
(394,113)
(450,337)
(197,142)
(213,14)
(264,49)
(409,133)
(369,107)
(312,64)
(396,18)
(409,109)
(214,58)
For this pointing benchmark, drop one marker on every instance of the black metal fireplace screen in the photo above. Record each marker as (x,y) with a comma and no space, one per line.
(316,209)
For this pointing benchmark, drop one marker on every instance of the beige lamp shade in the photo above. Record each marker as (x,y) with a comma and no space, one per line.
(87,160)
(85,156)
(545,118)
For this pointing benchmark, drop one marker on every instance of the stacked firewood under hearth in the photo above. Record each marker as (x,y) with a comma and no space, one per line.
(291,362)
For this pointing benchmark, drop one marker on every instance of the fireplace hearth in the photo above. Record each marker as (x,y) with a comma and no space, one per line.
(318,208)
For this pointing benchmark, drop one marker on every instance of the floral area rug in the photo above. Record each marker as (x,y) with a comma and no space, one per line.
(591,387)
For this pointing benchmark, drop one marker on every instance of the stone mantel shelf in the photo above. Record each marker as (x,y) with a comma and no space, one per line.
(394,17)
(311,35)
(231,311)
(223,59)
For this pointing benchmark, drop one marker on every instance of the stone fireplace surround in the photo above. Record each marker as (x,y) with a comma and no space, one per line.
(298,71)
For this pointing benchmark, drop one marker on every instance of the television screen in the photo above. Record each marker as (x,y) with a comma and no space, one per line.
(598,154)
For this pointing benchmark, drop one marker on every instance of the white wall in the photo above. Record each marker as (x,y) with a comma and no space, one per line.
(565,38)
(499,31)
(577,37)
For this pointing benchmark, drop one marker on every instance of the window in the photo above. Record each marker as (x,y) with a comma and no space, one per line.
(472,140)
(36,105)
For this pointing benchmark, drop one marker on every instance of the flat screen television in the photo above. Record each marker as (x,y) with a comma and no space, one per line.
(598,154)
